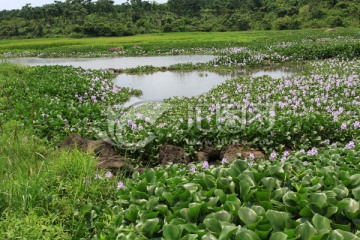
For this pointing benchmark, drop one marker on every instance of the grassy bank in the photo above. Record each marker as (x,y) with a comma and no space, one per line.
(154,44)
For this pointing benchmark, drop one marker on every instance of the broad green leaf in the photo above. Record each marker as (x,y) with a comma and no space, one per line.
(212,225)
(194,210)
(244,234)
(318,199)
(322,224)
(352,208)
(305,231)
(290,199)
(342,235)
(278,220)
(227,232)
(150,227)
(244,188)
(240,165)
(269,182)
(190,228)
(355,180)
(247,215)
(209,236)
(279,193)
(278,236)
(190,237)
(356,193)
(150,176)
(223,216)
(331,210)
(220,193)
(171,232)
(131,213)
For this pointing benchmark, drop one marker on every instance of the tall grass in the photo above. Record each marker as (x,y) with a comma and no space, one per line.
(45,193)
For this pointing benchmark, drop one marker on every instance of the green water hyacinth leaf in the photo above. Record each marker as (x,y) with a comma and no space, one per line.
(290,199)
(322,224)
(227,232)
(223,216)
(278,236)
(150,227)
(270,183)
(355,180)
(351,209)
(131,213)
(318,199)
(190,237)
(247,215)
(209,236)
(244,234)
(278,220)
(172,232)
(342,235)
(356,193)
(305,231)
(194,211)
(212,225)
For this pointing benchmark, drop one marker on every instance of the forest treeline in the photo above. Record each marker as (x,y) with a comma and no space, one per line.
(87,18)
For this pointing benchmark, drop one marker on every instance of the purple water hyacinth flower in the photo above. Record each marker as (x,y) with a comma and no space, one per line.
(273,155)
(251,156)
(286,153)
(205,165)
(283,159)
(120,185)
(302,151)
(192,169)
(139,116)
(343,126)
(108,175)
(224,160)
(350,145)
(93,98)
(312,152)
(134,126)
(356,124)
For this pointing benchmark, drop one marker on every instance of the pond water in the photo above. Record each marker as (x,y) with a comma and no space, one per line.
(114,62)
(162,85)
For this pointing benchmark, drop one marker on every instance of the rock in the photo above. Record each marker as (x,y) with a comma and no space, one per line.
(209,154)
(102,149)
(114,164)
(74,141)
(170,153)
(236,151)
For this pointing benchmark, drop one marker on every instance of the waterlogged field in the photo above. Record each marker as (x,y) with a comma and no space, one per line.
(307,125)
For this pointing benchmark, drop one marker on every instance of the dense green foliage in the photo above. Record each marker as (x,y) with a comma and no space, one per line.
(80,18)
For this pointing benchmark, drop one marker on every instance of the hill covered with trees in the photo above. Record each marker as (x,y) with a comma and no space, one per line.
(87,18)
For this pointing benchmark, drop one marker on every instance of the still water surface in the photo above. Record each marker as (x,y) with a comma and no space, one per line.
(162,85)
(115,62)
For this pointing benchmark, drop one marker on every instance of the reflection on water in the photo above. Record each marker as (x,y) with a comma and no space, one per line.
(162,85)
(114,62)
